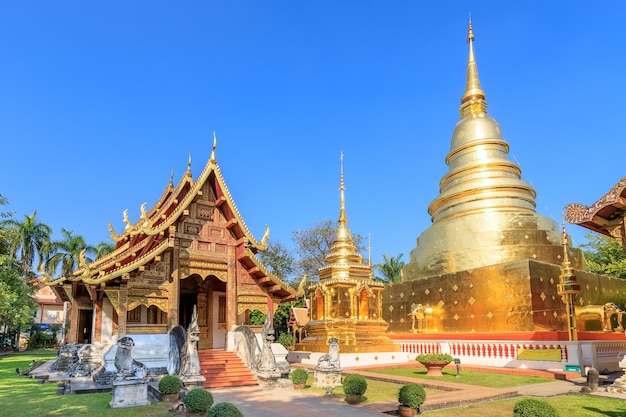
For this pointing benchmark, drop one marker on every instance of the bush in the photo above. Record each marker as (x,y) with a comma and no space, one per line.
(224,410)
(411,395)
(286,340)
(170,384)
(354,384)
(198,400)
(299,376)
(534,408)
(434,357)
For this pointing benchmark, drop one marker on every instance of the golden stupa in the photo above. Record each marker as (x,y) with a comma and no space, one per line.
(346,303)
(489,262)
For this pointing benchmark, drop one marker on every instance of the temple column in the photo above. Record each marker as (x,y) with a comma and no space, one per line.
(73,335)
(173,299)
(121,319)
(97,331)
(231,289)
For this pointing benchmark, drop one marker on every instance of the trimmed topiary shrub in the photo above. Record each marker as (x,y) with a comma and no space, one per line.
(170,384)
(198,400)
(354,384)
(411,395)
(534,408)
(299,376)
(224,410)
(286,339)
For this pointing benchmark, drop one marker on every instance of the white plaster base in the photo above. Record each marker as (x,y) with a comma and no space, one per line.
(350,360)
(129,394)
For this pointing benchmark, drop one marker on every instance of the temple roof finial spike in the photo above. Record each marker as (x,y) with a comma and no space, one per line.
(189,165)
(470,32)
(214,146)
(171,183)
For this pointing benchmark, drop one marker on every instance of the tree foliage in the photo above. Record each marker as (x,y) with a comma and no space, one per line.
(604,255)
(313,244)
(104,248)
(16,295)
(279,260)
(29,238)
(390,268)
(67,252)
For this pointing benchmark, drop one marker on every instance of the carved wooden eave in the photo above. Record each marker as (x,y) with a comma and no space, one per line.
(605,216)
(273,286)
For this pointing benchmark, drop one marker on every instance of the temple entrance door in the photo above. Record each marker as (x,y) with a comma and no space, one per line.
(85,324)
(185,310)
(210,297)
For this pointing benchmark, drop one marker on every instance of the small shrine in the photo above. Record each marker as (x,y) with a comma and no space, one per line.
(346,303)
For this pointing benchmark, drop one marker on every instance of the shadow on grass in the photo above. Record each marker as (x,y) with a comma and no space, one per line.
(605,413)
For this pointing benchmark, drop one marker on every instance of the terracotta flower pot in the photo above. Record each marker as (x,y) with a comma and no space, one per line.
(169,398)
(298,386)
(353,398)
(434,368)
(407,411)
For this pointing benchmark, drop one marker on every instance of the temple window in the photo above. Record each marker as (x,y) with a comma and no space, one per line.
(134,315)
(363,304)
(156,315)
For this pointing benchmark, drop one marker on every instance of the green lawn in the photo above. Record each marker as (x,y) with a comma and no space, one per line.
(485,379)
(377,391)
(567,406)
(20,396)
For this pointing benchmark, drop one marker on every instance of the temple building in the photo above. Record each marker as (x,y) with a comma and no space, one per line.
(605,216)
(192,247)
(346,303)
(489,263)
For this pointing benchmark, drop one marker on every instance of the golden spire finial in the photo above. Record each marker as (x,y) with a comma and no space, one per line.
(369,250)
(343,219)
(473,101)
(214,146)
(564,242)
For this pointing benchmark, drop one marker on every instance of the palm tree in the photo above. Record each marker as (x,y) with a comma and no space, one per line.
(391,269)
(67,253)
(104,248)
(29,237)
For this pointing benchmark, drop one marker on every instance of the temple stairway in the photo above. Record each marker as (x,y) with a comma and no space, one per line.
(224,369)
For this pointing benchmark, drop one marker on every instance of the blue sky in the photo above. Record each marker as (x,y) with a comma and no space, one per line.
(100,100)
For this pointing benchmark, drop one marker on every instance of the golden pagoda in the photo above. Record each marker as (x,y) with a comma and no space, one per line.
(489,263)
(346,303)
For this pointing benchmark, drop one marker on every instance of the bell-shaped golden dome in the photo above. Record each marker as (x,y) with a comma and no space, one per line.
(485,213)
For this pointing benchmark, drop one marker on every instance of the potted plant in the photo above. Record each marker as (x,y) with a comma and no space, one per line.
(198,401)
(169,386)
(434,362)
(299,377)
(354,386)
(410,397)
(287,340)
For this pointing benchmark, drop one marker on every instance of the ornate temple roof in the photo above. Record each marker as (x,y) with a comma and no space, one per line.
(149,237)
(605,216)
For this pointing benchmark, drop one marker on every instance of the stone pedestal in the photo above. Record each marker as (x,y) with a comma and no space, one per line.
(193,381)
(326,378)
(129,393)
(268,378)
